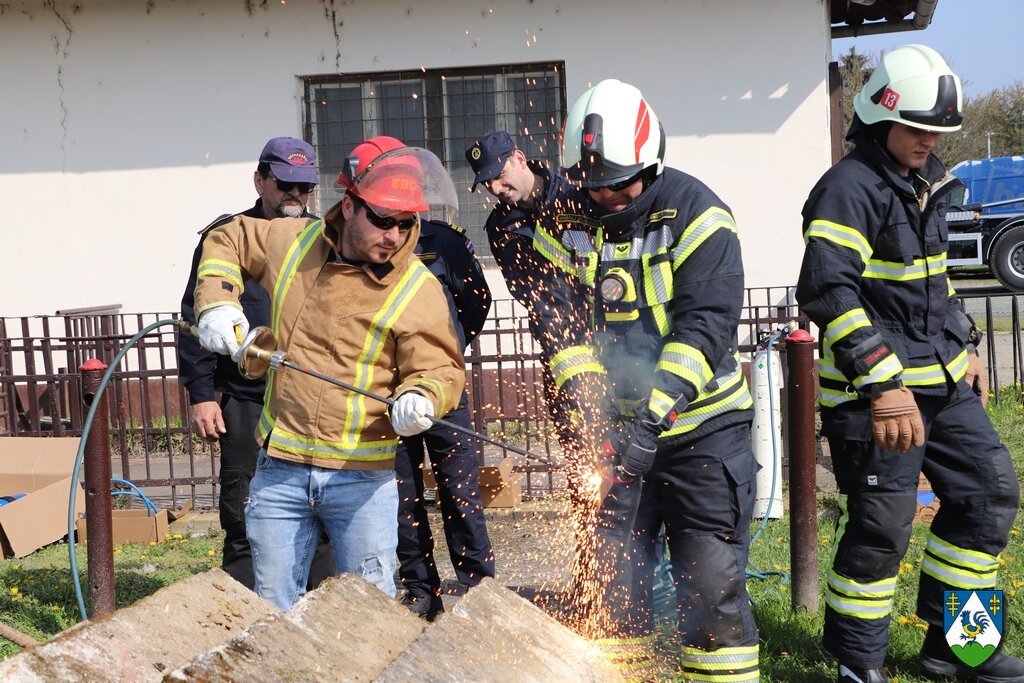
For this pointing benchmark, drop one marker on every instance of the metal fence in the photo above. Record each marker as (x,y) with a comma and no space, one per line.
(152,442)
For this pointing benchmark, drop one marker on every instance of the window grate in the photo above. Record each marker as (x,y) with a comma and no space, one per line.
(444,110)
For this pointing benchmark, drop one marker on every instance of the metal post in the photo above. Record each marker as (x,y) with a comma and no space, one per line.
(803,501)
(100,547)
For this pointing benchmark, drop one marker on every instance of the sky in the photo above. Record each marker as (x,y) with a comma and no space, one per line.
(981,40)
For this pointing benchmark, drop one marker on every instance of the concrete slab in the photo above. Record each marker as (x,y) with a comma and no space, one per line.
(494,635)
(346,630)
(143,641)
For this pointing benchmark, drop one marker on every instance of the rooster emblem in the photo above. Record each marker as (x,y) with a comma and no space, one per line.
(971,631)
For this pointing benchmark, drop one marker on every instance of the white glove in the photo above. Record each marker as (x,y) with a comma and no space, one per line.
(411,414)
(217,330)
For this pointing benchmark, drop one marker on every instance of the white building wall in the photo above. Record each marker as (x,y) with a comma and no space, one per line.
(128,125)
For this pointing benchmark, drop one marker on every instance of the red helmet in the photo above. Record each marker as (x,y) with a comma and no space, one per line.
(393,178)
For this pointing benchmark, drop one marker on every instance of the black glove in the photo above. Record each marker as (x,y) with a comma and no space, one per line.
(634,447)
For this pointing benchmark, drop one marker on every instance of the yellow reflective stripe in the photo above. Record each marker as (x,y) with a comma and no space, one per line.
(957,367)
(842,235)
(882,589)
(218,268)
(863,609)
(267,422)
(699,230)
(722,664)
(687,363)
(975,559)
(887,369)
(830,398)
(952,292)
(380,327)
(843,325)
(844,519)
(745,677)
(658,288)
(296,253)
(573,361)
(959,567)
(366,451)
(935,373)
(550,248)
(918,270)
(732,395)
(744,656)
(432,385)
(659,403)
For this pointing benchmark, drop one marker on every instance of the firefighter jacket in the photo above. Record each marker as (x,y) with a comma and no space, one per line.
(874,280)
(579,404)
(448,253)
(527,273)
(665,278)
(203,372)
(383,328)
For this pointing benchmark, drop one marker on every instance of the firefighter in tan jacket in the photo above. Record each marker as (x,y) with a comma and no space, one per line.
(350,299)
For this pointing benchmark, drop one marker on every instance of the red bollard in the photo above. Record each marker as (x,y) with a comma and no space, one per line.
(803,495)
(100,548)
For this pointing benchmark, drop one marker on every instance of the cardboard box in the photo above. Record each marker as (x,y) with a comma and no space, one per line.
(499,486)
(40,467)
(132,526)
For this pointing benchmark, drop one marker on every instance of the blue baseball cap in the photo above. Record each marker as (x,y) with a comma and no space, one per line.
(291,160)
(488,156)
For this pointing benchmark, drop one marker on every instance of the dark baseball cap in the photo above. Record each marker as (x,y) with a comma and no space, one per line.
(488,156)
(291,160)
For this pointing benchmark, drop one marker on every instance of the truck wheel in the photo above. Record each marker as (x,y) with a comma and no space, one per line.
(1007,262)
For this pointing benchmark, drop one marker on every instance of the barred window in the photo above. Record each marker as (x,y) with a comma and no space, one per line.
(444,110)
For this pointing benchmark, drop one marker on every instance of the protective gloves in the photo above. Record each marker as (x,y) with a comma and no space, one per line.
(896,420)
(977,376)
(411,414)
(217,330)
(634,448)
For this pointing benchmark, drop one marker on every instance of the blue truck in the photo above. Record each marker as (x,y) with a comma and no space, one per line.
(986,218)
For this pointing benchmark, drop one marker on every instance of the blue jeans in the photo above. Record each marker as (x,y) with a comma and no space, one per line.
(288,503)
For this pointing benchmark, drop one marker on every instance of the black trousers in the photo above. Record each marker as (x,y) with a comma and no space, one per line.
(703,493)
(972,475)
(238,451)
(456,468)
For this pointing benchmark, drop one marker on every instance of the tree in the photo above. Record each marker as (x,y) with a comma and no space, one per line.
(854,70)
(993,122)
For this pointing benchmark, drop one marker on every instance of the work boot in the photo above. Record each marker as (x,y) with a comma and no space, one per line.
(424,606)
(853,674)
(937,660)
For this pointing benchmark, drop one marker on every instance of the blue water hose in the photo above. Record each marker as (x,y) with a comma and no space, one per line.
(151,508)
(80,455)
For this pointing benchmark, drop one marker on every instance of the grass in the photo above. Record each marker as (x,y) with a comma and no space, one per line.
(37,595)
(791,642)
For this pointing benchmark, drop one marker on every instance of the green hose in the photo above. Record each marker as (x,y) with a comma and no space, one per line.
(80,455)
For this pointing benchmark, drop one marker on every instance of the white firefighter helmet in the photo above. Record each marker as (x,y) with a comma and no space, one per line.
(611,134)
(914,86)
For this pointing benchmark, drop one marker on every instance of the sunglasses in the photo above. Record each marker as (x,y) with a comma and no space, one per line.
(286,187)
(385,223)
(621,185)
